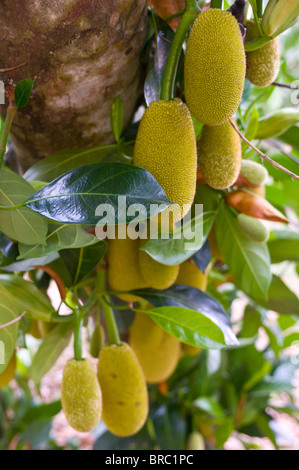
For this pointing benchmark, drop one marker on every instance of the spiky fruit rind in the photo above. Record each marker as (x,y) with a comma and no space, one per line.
(157,275)
(157,351)
(8,374)
(252,228)
(166,147)
(262,64)
(81,396)
(254,172)
(215,67)
(220,155)
(190,275)
(123,271)
(125,398)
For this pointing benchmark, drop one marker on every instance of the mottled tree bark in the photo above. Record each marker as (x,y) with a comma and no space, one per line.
(81,53)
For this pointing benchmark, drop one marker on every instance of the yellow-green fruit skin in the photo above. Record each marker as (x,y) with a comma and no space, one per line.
(190,350)
(262,64)
(81,396)
(215,67)
(157,275)
(157,351)
(166,147)
(195,441)
(252,228)
(190,275)
(220,155)
(123,385)
(254,172)
(8,374)
(123,271)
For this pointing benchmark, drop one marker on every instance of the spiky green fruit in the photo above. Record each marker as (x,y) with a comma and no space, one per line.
(125,398)
(263,64)
(215,67)
(166,147)
(254,172)
(81,396)
(220,155)
(252,228)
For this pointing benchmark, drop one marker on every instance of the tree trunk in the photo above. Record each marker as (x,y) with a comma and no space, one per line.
(81,54)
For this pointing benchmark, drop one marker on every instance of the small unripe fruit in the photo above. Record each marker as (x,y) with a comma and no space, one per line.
(215,67)
(195,441)
(157,275)
(220,155)
(9,372)
(252,228)
(191,275)
(166,147)
(157,351)
(81,396)
(125,398)
(263,64)
(254,172)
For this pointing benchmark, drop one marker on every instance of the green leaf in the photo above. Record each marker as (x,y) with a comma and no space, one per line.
(210,406)
(50,349)
(83,261)
(165,421)
(8,335)
(284,245)
(56,165)
(248,261)
(23,92)
(174,250)
(59,237)
(27,297)
(280,298)
(75,196)
(44,411)
(28,263)
(116,117)
(291,340)
(21,224)
(188,326)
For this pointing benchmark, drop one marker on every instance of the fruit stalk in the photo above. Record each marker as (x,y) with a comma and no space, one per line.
(112,330)
(168,81)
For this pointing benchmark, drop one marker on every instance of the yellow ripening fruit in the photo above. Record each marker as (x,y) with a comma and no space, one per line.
(191,275)
(125,397)
(81,396)
(166,147)
(157,275)
(252,228)
(190,350)
(123,271)
(262,64)
(195,441)
(215,67)
(9,372)
(254,172)
(157,351)
(220,155)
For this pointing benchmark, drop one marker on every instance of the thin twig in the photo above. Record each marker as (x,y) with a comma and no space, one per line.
(284,85)
(12,321)
(12,68)
(265,157)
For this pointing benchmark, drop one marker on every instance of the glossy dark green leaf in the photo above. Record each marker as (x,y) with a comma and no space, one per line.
(29,263)
(10,310)
(280,298)
(202,257)
(210,406)
(22,225)
(44,411)
(82,262)
(58,238)
(116,117)
(176,248)
(248,261)
(166,420)
(75,196)
(284,245)
(23,92)
(195,300)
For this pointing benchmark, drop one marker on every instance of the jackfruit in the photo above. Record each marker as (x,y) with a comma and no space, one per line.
(157,351)
(125,397)
(215,67)
(191,275)
(124,273)
(252,228)
(262,64)
(81,396)
(254,172)
(166,147)
(220,155)
(195,441)
(9,372)
(96,341)
(190,350)
(157,275)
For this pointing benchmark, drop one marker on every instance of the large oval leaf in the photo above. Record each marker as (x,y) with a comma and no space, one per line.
(280,298)
(8,335)
(284,245)
(75,196)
